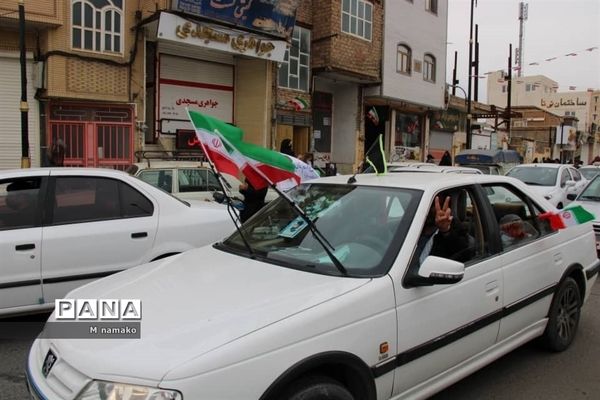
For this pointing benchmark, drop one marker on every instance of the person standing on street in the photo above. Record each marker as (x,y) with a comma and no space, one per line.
(446,159)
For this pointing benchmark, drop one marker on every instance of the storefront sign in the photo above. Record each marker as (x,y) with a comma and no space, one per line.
(177,29)
(275,17)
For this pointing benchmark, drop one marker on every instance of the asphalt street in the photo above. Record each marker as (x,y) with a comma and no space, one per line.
(527,373)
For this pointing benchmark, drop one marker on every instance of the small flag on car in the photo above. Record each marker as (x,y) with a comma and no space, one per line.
(569,217)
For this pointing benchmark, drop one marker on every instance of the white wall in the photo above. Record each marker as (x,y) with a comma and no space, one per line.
(424,32)
(343,124)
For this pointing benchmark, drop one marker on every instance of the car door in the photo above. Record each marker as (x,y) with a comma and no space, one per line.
(441,326)
(95,227)
(527,260)
(21,202)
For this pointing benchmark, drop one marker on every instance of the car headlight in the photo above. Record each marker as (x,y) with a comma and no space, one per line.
(97,390)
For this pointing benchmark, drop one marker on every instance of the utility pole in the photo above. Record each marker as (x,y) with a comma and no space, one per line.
(470,77)
(24,107)
(476,65)
(509,91)
(454,80)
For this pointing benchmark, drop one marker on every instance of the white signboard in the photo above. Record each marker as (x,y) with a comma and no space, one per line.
(174,28)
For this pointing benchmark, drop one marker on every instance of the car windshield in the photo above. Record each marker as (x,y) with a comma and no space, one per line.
(591,191)
(540,176)
(365,225)
(589,173)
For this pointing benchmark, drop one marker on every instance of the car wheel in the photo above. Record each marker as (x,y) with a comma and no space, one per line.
(564,317)
(317,388)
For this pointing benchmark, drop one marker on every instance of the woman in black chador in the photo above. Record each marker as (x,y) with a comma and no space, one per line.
(446,159)
(286,148)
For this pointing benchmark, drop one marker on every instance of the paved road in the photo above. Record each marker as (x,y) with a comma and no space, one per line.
(527,373)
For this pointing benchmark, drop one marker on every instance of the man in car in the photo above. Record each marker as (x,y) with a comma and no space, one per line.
(441,236)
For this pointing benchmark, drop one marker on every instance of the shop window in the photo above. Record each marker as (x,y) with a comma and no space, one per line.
(408,134)
(97,25)
(431,6)
(294,71)
(404,59)
(357,18)
(429,68)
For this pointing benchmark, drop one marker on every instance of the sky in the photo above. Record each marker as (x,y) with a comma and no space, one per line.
(554,28)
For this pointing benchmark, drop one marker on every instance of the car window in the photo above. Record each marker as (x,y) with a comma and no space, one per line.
(564,177)
(538,176)
(87,199)
(591,191)
(192,180)
(160,178)
(465,241)
(589,173)
(19,201)
(516,215)
(365,227)
(133,203)
(575,174)
(213,182)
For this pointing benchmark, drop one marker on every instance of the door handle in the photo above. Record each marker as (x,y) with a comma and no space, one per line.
(24,247)
(138,235)
(491,286)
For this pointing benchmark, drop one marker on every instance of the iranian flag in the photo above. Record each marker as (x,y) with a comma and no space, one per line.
(568,217)
(224,145)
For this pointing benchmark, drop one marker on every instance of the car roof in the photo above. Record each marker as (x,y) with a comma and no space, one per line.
(539,165)
(64,171)
(436,168)
(160,164)
(590,167)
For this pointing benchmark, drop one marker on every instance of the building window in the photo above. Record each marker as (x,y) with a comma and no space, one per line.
(404,59)
(97,25)
(294,70)
(429,68)
(431,5)
(357,18)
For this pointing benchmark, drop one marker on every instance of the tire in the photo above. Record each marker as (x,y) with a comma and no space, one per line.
(564,317)
(317,388)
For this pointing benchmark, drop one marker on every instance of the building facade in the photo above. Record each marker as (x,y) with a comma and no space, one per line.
(413,82)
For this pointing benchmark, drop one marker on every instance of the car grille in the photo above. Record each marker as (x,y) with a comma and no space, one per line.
(63,379)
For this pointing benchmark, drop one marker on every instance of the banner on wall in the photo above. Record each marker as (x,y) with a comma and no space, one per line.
(273,17)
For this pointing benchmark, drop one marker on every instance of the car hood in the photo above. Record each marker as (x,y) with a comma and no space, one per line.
(194,303)
(542,190)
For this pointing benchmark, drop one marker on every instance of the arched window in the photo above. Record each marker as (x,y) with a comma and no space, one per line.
(404,59)
(97,25)
(429,68)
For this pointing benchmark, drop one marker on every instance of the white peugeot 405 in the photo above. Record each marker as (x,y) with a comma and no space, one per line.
(63,227)
(365,297)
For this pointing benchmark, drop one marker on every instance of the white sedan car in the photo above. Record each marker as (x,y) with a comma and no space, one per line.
(63,227)
(553,181)
(589,199)
(364,298)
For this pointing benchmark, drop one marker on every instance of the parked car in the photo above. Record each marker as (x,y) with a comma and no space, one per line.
(187,180)
(553,181)
(589,171)
(63,227)
(589,198)
(354,307)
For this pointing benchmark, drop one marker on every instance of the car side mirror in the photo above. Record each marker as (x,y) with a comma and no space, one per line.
(571,196)
(437,271)
(219,197)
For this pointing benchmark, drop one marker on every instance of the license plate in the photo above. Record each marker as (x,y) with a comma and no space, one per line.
(48,363)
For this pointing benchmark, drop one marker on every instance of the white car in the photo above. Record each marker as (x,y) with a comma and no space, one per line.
(589,171)
(553,181)
(436,168)
(357,306)
(63,227)
(187,180)
(589,198)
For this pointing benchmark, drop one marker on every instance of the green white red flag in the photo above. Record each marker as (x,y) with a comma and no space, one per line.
(568,217)
(224,145)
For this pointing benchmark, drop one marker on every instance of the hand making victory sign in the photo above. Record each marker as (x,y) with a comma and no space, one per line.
(443,214)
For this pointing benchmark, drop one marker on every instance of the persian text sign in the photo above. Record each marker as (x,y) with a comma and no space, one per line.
(275,17)
(177,29)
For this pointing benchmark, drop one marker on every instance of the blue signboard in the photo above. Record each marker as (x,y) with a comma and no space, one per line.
(275,17)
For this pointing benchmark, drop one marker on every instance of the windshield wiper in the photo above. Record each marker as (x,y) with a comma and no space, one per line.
(533,183)
(313,229)
(595,198)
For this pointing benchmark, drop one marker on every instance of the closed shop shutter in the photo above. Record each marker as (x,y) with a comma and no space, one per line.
(204,86)
(10,115)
